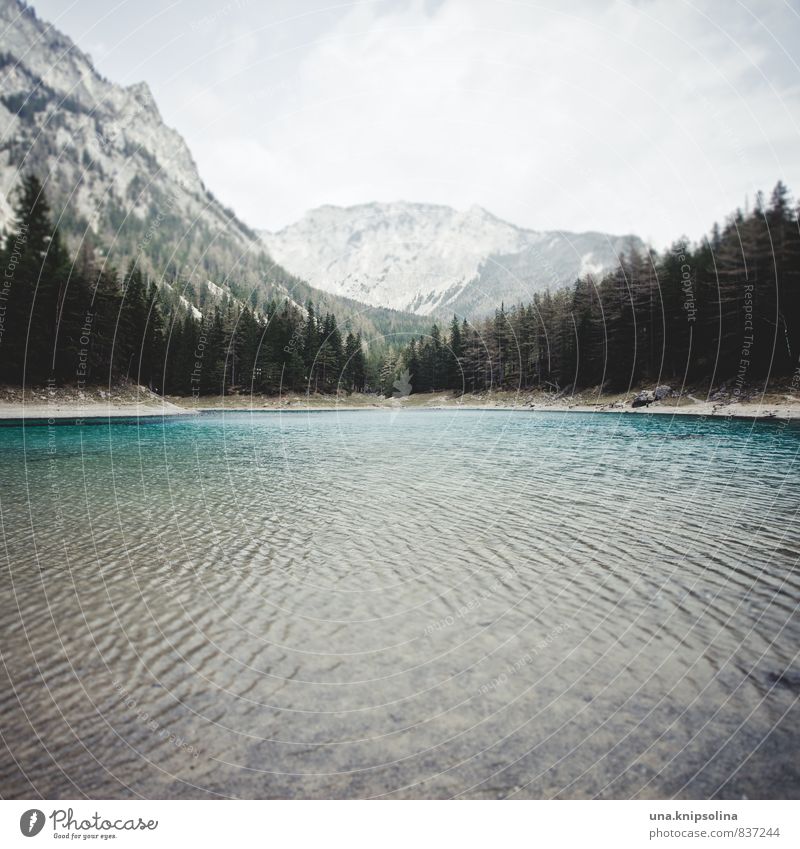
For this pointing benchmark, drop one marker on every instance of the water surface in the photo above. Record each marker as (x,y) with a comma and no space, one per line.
(425,604)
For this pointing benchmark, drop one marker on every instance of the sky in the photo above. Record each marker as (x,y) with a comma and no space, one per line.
(654,117)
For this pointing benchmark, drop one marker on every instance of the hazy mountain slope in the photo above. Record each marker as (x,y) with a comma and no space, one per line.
(432,259)
(118,177)
(110,164)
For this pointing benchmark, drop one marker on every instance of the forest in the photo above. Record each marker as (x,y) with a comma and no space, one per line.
(727,308)
(67,320)
(724,308)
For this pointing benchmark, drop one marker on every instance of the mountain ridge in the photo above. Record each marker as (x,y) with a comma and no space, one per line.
(123,184)
(434,260)
(121,181)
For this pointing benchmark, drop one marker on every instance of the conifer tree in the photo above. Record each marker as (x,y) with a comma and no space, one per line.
(34,285)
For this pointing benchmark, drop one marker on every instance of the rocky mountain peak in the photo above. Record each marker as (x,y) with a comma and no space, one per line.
(434,260)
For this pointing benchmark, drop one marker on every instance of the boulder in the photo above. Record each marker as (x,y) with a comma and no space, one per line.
(644,399)
(662,392)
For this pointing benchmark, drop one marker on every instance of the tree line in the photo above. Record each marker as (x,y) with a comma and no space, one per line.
(726,309)
(77,320)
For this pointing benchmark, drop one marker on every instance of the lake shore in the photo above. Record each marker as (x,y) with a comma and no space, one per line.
(59,403)
(777,403)
(130,401)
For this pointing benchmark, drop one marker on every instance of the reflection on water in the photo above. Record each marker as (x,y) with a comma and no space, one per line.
(427,604)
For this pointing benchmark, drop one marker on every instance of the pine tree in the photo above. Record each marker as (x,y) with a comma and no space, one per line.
(411,363)
(33,288)
(359,366)
(351,349)
(151,364)
(455,379)
(212,379)
(388,374)
(784,236)
(131,325)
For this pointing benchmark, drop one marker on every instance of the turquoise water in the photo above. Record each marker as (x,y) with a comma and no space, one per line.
(423,603)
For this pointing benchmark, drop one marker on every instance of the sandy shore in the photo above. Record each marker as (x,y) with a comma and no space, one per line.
(86,411)
(132,401)
(94,403)
(777,404)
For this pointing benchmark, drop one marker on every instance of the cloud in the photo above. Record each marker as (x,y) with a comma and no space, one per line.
(652,117)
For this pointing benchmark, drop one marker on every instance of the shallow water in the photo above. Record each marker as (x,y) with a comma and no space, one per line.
(426,604)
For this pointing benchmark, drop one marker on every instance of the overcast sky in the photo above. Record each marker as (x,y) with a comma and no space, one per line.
(648,117)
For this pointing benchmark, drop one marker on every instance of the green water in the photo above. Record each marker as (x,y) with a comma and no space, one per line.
(431,603)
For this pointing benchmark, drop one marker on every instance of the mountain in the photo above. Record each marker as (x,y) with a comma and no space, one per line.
(434,260)
(124,184)
(120,180)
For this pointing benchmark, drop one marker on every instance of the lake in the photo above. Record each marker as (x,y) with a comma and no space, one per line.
(401,604)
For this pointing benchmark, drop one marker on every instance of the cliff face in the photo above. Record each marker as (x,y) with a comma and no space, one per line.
(115,175)
(434,260)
